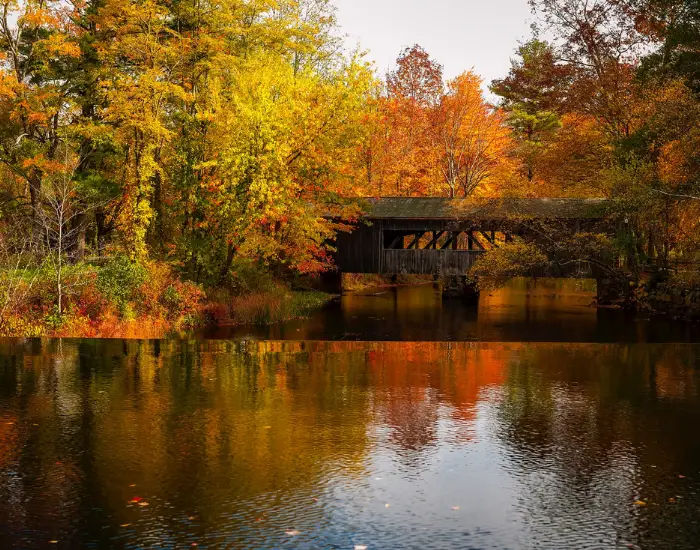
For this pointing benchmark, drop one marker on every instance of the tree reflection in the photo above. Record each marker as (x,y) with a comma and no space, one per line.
(253,435)
(590,433)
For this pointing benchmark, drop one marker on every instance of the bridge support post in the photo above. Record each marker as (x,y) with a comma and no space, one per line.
(460,287)
(614,292)
(606,292)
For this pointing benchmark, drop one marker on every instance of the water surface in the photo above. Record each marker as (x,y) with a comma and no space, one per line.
(336,444)
(545,310)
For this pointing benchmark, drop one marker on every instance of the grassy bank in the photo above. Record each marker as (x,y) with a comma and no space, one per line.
(354,282)
(122,299)
(264,307)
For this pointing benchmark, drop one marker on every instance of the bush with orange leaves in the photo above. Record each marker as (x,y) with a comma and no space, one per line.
(119,298)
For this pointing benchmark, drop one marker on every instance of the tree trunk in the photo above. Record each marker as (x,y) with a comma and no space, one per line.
(78,247)
(227,264)
(158,231)
(101,229)
(34,198)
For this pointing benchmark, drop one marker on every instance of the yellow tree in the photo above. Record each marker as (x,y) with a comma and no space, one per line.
(268,134)
(286,140)
(141,54)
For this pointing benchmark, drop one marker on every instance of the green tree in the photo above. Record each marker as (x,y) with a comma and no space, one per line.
(675,26)
(534,95)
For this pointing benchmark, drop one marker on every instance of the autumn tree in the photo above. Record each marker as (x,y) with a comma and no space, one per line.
(141,54)
(61,214)
(283,140)
(601,43)
(414,89)
(316,42)
(471,137)
(537,80)
(416,78)
(266,137)
(574,161)
(672,26)
(37,39)
(627,117)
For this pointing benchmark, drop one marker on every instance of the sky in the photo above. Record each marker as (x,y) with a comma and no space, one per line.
(459,34)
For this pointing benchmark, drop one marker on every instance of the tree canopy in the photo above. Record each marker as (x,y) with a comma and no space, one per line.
(212,136)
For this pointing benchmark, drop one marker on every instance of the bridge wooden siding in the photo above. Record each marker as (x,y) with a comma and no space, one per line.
(428,262)
(453,232)
(365,250)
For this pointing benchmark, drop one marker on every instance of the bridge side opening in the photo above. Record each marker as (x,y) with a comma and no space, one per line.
(443,240)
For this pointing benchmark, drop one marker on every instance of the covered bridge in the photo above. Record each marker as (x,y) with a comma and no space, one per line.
(445,236)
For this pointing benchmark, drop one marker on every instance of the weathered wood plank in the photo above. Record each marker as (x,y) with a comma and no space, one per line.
(428,262)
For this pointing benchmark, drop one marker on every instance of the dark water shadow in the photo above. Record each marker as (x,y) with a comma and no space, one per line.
(525,311)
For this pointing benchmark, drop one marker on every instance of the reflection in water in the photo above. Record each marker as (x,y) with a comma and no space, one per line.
(546,310)
(318,445)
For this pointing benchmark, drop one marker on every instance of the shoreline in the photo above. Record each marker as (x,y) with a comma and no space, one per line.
(265,309)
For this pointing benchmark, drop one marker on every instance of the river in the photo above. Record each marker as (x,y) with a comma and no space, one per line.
(388,420)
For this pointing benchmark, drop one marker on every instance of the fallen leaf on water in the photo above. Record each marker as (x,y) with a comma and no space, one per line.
(387,505)
(132,485)
(124,525)
(143,503)
(258,519)
(640,503)
(455,508)
(53,542)
(194,544)
(291,533)
(360,547)
(681,476)
(671,499)
(135,500)
(190,518)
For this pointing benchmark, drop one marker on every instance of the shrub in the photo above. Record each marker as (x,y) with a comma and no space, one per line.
(88,301)
(164,295)
(248,277)
(514,259)
(119,279)
(119,299)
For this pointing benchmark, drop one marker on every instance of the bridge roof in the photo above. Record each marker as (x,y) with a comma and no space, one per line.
(438,208)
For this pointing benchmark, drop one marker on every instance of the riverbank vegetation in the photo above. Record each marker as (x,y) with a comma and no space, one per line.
(159,161)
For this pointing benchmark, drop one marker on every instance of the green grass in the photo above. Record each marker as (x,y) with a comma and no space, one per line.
(306,301)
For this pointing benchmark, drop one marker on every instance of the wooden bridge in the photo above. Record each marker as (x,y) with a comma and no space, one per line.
(445,236)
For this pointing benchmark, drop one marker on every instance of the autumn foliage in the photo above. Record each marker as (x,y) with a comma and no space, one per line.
(208,138)
(431,138)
